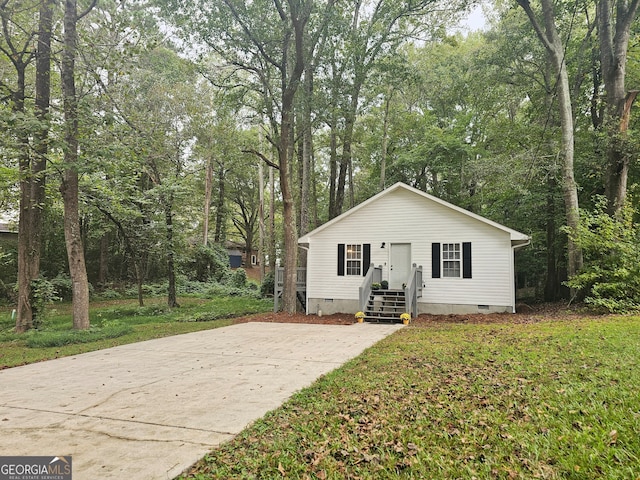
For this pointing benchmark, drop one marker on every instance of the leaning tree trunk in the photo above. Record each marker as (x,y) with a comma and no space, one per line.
(569,187)
(32,171)
(34,187)
(28,254)
(553,44)
(70,184)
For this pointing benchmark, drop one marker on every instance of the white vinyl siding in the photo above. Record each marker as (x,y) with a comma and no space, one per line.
(402,216)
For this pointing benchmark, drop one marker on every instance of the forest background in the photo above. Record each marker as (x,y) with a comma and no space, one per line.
(139,137)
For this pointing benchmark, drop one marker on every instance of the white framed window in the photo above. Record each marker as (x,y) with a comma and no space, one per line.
(254,260)
(451,260)
(353,259)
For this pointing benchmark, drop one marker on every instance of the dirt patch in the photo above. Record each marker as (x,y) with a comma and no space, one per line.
(526,314)
(281,317)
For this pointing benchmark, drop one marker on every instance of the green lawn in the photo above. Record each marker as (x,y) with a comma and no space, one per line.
(551,400)
(117,322)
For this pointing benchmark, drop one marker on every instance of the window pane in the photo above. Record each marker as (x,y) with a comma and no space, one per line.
(451,269)
(353,252)
(451,260)
(451,251)
(353,259)
(353,267)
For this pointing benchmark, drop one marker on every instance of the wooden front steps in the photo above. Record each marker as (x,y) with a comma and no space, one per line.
(385,306)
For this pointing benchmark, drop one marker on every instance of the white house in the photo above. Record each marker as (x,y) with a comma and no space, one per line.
(446,259)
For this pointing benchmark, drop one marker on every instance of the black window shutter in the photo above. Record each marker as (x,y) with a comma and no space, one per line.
(466,260)
(366,258)
(435,260)
(341,259)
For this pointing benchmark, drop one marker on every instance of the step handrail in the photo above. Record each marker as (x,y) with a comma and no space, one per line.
(413,290)
(374,275)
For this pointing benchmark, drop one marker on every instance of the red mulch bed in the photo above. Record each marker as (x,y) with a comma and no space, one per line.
(526,314)
(281,317)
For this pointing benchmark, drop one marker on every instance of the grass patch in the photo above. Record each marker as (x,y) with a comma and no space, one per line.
(552,400)
(118,322)
(60,339)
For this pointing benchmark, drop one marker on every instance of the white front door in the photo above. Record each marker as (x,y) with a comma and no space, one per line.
(400,264)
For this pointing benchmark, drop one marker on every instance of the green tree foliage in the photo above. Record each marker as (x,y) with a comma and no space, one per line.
(206,263)
(610,279)
(387,93)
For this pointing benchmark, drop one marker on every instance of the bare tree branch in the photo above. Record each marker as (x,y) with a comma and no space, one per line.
(261,156)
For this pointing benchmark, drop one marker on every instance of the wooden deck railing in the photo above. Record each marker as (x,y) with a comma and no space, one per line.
(301,284)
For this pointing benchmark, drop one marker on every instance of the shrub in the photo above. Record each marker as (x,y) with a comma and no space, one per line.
(109,294)
(238,278)
(610,278)
(62,286)
(43,292)
(205,263)
(268,285)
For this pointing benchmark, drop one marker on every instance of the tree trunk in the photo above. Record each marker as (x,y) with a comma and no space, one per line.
(333,169)
(553,44)
(272,221)
(307,156)
(299,19)
(208,185)
(219,232)
(614,43)
(103,268)
(551,284)
(41,138)
(569,187)
(139,283)
(172,298)
(70,183)
(345,158)
(248,246)
(32,172)
(289,298)
(28,257)
(261,225)
(385,142)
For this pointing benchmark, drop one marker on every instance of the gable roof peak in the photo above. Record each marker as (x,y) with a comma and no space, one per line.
(516,237)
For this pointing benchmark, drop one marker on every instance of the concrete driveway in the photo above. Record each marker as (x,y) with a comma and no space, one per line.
(149,410)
